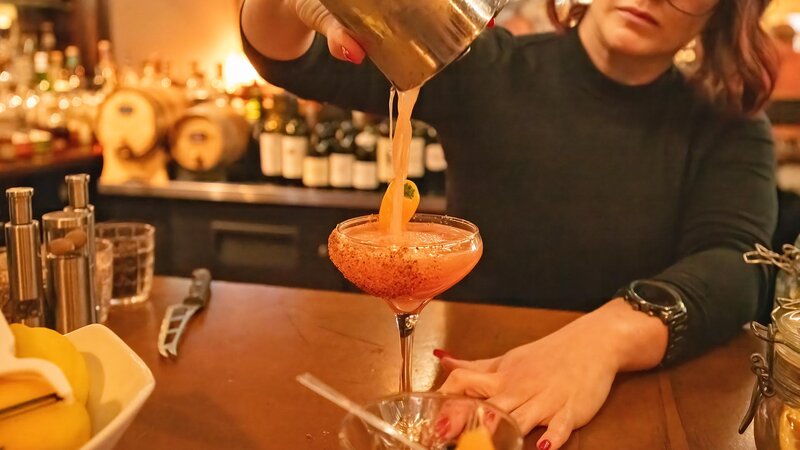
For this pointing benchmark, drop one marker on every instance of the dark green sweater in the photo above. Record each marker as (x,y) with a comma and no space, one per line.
(580,184)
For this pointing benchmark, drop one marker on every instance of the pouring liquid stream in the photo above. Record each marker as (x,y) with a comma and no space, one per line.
(401,145)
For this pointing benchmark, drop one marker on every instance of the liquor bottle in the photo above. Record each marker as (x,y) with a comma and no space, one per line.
(75,71)
(217,84)
(47,37)
(164,74)
(269,135)
(105,72)
(343,156)
(59,78)
(316,162)
(365,166)
(41,69)
(294,144)
(435,164)
(196,86)
(253,98)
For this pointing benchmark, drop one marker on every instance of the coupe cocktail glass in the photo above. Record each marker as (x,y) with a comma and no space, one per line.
(432,254)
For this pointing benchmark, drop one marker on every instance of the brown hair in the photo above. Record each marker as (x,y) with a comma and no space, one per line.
(737,68)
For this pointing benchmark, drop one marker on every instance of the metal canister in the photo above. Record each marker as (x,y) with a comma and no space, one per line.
(26,291)
(78,195)
(412,40)
(70,279)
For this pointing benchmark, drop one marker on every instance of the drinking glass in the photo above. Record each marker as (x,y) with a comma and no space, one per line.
(5,289)
(435,421)
(134,258)
(434,253)
(103,277)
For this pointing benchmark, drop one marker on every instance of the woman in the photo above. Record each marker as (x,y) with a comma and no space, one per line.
(602,178)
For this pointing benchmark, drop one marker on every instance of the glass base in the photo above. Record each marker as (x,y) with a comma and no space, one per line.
(132,300)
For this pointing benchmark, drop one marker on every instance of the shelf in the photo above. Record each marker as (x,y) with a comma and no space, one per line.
(56,5)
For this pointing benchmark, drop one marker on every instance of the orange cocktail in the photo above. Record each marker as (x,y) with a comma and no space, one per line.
(407,270)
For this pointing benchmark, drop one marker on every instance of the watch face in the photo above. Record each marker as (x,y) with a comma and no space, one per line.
(655,294)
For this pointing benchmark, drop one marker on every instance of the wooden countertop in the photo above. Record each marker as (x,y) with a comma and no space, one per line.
(263,193)
(233,383)
(68,159)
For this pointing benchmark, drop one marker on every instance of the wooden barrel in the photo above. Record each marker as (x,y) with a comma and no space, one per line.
(208,137)
(132,122)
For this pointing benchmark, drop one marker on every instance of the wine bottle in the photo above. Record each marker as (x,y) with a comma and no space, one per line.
(316,162)
(435,164)
(365,166)
(294,144)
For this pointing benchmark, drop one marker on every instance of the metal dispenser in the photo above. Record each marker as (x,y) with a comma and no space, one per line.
(23,250)
(69,276)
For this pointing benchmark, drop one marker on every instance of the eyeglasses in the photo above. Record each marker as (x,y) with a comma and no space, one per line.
(696,8)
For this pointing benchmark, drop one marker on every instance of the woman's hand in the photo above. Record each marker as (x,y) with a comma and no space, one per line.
(563,379)
(340,43)
(282,29)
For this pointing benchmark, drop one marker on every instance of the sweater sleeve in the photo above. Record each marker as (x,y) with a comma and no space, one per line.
(729,207)
(316,75)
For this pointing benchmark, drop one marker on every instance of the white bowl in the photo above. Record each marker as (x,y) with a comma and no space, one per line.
(119,383)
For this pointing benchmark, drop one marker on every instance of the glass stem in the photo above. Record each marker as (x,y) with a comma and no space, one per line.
(405,325)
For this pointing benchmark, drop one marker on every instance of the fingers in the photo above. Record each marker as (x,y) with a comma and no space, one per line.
(480,365)
(471,383)
(528,412)
(558,430)
(343,46)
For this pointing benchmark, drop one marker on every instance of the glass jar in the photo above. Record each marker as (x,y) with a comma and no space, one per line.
(777,402)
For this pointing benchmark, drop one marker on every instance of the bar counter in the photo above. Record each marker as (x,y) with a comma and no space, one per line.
(232,385)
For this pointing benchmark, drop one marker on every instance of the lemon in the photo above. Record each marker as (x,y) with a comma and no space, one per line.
(59,426)
(789,429)
(410,204)
(47,344)
(475,439)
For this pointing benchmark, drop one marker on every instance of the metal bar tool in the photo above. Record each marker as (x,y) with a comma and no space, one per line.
(177,316)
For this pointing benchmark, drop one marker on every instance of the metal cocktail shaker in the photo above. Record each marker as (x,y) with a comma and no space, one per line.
(412,40)
(23,251)
(69,277)
(78,194)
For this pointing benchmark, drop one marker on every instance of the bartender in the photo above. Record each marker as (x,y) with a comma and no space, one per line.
(603,179)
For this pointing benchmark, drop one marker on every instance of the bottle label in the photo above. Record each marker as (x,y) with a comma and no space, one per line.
(293,151)
(416,158)
(270,149)
(365,175)
(434,158)
(384,157)
(315,171)
(341,166)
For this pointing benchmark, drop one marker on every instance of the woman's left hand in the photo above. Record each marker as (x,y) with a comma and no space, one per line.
(560,381)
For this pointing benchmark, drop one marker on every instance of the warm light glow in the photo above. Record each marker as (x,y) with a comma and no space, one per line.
(239,72)
(8,14)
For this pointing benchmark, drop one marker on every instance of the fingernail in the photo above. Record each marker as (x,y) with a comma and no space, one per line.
(442,426)
(346,54)
(490,415)
(491,23)
(544,445)
(439,353)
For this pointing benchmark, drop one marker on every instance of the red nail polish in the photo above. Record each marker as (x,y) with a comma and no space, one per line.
(346,54)
(491,23)
(442,426)
(544,445)
(439,353)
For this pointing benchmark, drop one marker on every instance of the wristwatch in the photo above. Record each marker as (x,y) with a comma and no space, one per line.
(659,299)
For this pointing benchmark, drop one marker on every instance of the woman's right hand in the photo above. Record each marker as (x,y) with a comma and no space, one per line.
(316,17)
